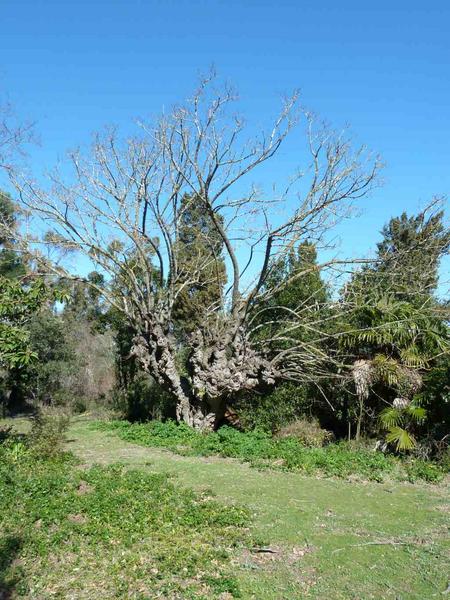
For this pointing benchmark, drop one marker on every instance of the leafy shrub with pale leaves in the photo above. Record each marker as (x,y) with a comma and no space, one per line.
(47,437)
(308,432)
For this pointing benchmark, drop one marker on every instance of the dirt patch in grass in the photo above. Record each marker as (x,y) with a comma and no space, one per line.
(84,488)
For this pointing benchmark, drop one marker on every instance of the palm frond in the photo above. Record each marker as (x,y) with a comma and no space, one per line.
(402,439)
(391,417)
(418,413)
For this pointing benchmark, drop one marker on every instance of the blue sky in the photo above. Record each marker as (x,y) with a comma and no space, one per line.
(382,67)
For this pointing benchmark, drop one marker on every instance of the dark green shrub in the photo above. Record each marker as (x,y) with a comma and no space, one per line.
(144,399)
(444,461)
(79,405)
(272,411)
(5,433)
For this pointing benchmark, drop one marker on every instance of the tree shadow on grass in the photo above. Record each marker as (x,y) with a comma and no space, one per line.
(9,550)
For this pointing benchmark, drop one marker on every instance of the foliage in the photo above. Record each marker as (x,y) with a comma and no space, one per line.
(425,470)
(296,301)
(273,409)
(261,450)
(11,264)
(111,532)
(396,328)
(411,336)
(17,301)
(308,432)
(84,300)
(398,419)
(294,313)
(23,295)
(46,437)
(143,399)
(73,363)
(410,252)
(198,241)
(46,380)
(435,398)
(17,305)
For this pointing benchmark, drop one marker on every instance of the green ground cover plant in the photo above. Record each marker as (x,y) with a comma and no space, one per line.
(261,450)
(323,537)
(109,532)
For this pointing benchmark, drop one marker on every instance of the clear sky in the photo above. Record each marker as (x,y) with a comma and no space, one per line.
(383,67)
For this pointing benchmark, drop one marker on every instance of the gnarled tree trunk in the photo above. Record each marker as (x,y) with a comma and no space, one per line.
(220,364)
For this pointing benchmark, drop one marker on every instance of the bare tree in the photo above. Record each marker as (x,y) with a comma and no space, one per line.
(123,210)
(13,137)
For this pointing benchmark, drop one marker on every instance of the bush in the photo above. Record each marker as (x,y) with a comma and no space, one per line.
(444,461)
(435,445)
(308,432)
(272,411)
(425,470)
(46,437)
(79,406)
(5,432)
(144,399)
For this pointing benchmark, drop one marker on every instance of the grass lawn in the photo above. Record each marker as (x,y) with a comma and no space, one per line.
(324,538)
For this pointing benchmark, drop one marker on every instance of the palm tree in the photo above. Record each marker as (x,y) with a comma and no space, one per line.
(393,344)
(399,419)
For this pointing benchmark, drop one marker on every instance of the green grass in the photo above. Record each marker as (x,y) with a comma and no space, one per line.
(110,532)
(330,538)
(261,450)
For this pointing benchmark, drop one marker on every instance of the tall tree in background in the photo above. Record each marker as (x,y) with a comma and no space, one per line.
(11,262)
(22,295)
(16,302)
(297,313)
(198,242)
(410,253)
(25,304)
(84,300)
(296,301)
(398,328)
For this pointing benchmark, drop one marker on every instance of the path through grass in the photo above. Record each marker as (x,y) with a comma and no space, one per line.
(331,539)
(324,538)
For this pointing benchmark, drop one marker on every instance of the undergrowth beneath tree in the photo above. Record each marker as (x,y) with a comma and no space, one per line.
(261,450)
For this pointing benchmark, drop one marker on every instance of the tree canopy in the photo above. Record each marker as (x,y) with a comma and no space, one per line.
(165,216)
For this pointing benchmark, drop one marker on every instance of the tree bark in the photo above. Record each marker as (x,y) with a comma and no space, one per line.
(199,414)
(220,364)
